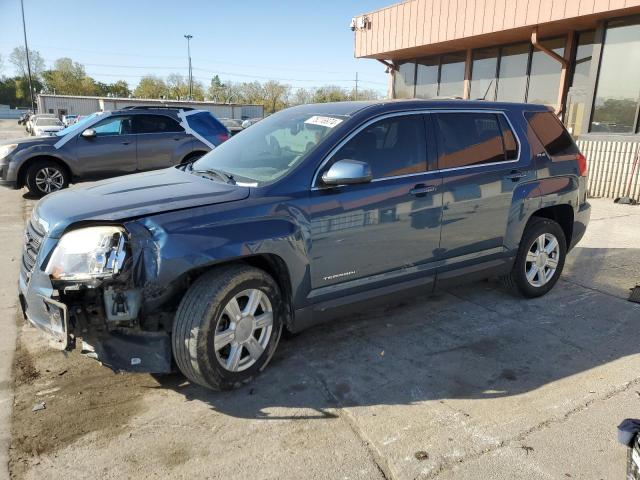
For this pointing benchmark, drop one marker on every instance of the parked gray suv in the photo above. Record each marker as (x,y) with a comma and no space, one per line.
(107,144)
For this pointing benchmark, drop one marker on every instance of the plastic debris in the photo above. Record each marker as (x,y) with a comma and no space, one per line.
(38,406)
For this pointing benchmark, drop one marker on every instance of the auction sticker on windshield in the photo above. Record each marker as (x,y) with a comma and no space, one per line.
(328,122)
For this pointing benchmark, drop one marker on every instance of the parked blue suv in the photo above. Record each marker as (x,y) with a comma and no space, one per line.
(311,210)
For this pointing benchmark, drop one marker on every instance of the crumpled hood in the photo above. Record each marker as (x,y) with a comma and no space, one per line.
(132,196)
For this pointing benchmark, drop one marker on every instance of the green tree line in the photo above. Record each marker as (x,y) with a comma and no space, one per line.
(66,77)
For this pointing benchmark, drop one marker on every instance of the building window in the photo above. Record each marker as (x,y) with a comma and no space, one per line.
(452,75)
(427,78)
(483,74)
(578,94)
(512,82)
(616,100)
(544,77)
(403,82)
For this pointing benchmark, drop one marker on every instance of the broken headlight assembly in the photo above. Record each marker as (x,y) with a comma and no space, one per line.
(88,253)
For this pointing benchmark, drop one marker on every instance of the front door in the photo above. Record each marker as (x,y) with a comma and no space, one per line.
(389,228)
(159,141)
(111,152)
(480,165)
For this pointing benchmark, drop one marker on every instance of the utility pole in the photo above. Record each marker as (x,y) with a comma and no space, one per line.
(26,48)
(356,86)
(189,37)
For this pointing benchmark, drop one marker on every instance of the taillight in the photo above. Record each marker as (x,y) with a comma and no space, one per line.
(222,137)
(582,164)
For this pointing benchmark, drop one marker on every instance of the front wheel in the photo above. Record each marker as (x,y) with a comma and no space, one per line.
(227,327)
(46,176)
(540,259)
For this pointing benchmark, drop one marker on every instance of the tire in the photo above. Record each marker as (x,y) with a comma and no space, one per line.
(205,310)
(39,171)
(526,276)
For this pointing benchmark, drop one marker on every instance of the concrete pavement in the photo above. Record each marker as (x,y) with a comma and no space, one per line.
(11,226)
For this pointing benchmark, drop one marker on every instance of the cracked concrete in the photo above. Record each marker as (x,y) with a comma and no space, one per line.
(467,383)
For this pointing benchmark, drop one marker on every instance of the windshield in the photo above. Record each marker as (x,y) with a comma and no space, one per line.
(48,122)
(79,125)
(271,148)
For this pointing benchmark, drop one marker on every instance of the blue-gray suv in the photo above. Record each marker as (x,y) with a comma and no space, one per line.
(316,208)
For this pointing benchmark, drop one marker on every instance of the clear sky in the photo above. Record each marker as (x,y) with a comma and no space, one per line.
(303,43)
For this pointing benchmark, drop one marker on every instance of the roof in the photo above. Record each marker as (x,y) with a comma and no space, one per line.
(351,108)
(417,28)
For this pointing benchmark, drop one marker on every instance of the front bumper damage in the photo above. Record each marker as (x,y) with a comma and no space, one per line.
(108,316)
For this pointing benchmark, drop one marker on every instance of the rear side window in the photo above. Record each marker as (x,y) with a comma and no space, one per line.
(206,125)
(392,147)
(467,139)
(155,124)
(554,137)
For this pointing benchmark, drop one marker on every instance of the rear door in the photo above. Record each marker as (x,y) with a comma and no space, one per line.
(111,152)
(161,141)
(480,162)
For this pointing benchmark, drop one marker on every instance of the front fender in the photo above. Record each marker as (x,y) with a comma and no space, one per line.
(172,250)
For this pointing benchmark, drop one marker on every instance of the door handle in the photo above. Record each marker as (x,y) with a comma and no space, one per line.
(515,175)
(126,143)
(421,190)
(177,139)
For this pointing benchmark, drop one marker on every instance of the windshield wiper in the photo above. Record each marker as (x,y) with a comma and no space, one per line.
(226,177)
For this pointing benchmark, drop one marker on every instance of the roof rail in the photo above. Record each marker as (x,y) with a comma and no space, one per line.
(158,107)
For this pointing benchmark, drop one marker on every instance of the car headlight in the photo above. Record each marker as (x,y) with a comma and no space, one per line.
(7,149)
(88,253)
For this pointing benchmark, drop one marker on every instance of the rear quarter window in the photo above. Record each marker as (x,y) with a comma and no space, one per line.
(550,131)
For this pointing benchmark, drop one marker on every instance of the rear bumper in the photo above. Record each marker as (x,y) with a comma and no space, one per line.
(580,222)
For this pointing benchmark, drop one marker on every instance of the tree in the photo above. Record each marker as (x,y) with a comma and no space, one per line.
(119,89)
(69,78)
(18,59)
(228,92)
(275,96)
(1,66)
(330,93)
(151,86)
(301,96)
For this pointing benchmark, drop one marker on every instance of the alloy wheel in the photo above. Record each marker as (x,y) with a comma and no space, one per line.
(243,330)
(542,260)
(49,179)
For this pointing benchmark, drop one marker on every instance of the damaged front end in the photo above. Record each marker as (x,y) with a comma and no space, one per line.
(90,284)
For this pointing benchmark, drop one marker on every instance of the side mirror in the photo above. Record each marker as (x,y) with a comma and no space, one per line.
(89,133)
(347,172)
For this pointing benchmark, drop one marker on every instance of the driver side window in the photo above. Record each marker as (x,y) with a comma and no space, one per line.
(392,147)
(113,126)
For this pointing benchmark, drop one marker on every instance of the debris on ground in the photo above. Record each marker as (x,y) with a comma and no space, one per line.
(527,449)
(47,392)
(38,406)
(422,455)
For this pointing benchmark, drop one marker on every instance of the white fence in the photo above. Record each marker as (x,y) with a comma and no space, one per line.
(610,164)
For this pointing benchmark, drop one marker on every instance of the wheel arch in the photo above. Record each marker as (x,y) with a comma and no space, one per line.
(190,155)
(22,171)
(562,214)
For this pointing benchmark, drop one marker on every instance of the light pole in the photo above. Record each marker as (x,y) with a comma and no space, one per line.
(26,49)
(189,37)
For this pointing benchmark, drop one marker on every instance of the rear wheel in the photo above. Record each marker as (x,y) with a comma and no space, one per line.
(540,259)
(227,327)
(46,176)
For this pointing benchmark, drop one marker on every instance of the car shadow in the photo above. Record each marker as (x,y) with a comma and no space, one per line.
(471,342)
